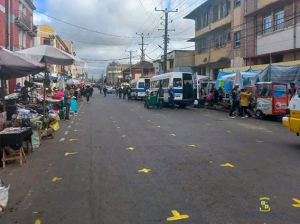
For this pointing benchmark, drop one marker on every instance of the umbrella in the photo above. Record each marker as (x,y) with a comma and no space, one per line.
(50,55)
(15,66)
(40,78)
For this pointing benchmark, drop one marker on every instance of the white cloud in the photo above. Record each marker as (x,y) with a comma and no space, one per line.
(117,17)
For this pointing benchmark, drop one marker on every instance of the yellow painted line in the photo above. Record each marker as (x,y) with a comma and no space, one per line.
(35,212)
(131,148)
(38,221)
(172,134)
(56,179)
(297,201)
(70,153)
(73,139)
(144,170)
(176,216)
(192,145)
(259,141)
(227,164)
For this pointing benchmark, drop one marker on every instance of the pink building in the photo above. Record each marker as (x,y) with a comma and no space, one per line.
(2,24)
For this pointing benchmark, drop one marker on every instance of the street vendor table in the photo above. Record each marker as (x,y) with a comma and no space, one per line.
(14,137)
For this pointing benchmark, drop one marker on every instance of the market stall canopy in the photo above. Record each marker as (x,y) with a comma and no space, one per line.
(40,77)
(231,77)
(16,66)
(50,55)
(202,78)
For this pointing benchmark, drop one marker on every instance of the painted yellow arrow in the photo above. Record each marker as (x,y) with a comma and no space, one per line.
(192,146)
(177,216)
(70,153)
(56,179)
(144,170)
(38,221)
(172,134)
(131,148)
(73,139)
(227,164)
(297,201)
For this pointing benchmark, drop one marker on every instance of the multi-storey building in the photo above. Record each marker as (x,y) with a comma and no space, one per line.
(20,30)
(218,35)
(136,71)
(271,31)
(47,36)
(175,59)
(2,23)
(114,72)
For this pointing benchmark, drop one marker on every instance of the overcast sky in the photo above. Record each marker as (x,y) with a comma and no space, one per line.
(120,20)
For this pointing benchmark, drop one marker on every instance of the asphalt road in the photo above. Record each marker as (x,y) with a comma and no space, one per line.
(184,149)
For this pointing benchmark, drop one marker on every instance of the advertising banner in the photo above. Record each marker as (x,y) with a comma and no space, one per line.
(265,105)
(280,105)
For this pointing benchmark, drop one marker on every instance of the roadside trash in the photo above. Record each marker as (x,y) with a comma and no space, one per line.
(3,196)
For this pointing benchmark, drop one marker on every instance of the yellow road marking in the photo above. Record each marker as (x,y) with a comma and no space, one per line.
(70,153)
(297,201)
(177,216)
(38,221)
(229,131)
(158,126)
(192,145)
(131,148)
(73,139)
(172,134)
(56,179)
(227,164)
(259,141)
(144,170)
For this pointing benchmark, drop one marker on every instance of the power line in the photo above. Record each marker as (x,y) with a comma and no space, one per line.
(79,27)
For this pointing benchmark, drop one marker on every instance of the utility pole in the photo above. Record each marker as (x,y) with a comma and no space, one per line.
(130,61)
(143,52)
(166,39)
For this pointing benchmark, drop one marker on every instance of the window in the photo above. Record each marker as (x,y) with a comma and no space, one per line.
(224,9)
(267,24)
(279,20)
(205,20)
(165,83)
(237,39)
(199,23)
(202,45)
(237,3)
(217,41)
(215,13)
(20,38)
(141,85)
(223,38)
(171,64)
(177,82)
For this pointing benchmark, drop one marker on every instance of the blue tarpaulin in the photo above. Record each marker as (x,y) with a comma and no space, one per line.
(281,73)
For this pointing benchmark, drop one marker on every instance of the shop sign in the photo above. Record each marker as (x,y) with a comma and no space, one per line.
(265,105)
(280,104)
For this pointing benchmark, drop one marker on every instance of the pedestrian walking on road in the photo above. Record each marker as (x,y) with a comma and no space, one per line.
(100,88)
(67,98)
(88,93)
(120,92)
(160,94)
(124,92)
(171,97)
(236,104)
(128,93)
(104,90)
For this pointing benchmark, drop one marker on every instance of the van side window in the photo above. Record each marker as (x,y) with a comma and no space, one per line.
(177,82)
(141,85)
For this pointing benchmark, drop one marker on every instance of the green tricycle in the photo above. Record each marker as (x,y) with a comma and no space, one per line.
(151,100)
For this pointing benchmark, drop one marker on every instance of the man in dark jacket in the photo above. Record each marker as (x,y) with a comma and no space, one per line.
(171,97)
(160,94)
(235,101)
(128,93)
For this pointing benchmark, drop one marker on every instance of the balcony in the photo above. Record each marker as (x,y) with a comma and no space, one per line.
(25,23)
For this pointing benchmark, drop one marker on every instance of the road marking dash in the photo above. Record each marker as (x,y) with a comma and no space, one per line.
(69,126)
(62,139)
(66,132)
(38,221)
(176,216)
(227,165)
(144,170)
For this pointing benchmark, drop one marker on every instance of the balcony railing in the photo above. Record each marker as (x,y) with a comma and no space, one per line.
(22,21)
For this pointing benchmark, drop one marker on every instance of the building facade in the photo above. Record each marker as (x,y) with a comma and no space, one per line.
(272,31)
(175,59)
(114,72)
(136,71)
(2,23)
(46,35)
(218,35)
(20,30)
